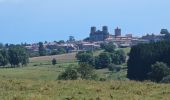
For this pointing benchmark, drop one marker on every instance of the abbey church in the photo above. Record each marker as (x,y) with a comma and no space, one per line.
(97,35)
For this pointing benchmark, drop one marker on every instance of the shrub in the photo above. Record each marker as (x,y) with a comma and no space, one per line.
(102,79)
(35,65)
(69,74)
(159,70)
(113,67)
(166,79)
(86,71)
(54,61)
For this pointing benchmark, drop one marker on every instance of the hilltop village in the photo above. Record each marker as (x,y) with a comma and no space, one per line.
(93,42)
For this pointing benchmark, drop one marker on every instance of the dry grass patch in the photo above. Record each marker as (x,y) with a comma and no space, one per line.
(62,58)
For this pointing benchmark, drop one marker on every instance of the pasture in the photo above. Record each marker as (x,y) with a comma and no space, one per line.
(82,90)
(38,81)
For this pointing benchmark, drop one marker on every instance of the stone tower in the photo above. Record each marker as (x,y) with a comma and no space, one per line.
(93,30)
(105,30)
(117,32)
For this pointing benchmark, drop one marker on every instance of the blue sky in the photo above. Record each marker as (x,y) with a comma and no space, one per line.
(40,20)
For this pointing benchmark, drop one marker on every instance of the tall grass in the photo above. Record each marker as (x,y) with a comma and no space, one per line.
(82,90)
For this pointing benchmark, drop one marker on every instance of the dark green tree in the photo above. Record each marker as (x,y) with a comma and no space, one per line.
(42,51)
(17,56)
(54,61)
(61,50)
(118,57)
(143,56)
(54,52)
(85,57)
(1,59)
(103,60)
(166,34)
(61,41)
(4,57)
(1,46)
(24,57)
(158,71)
(108,47)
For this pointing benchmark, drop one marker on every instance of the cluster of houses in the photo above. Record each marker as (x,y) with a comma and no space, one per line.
(97,37)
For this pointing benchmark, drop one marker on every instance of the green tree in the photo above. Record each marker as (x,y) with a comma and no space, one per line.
(1,46)
(42,51)
(3,57)
(85,57)
(118,57)
(61,41)
(61,50)
(24,57)
(17,56)
(54,52)
(109,47)
(103,60)
(158,71)
(143,56)
(166,33)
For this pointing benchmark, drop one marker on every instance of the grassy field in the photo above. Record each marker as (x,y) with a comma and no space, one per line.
(44,70)
(70,57)
(82,90)
(38,81)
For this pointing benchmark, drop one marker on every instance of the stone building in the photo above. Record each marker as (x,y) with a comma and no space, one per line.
(99,35)
(117,32)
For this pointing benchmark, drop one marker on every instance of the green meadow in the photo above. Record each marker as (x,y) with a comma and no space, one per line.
(38,81)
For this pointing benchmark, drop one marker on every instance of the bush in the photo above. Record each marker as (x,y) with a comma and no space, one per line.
(102,79)
(159,70)
(69,74)
(35,65)
(54,61)
(86,71)
(113,67)
(166,79)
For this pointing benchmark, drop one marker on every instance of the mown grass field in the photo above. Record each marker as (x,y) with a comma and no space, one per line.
(38,81)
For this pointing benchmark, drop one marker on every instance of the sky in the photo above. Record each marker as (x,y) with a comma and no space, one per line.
(48,20)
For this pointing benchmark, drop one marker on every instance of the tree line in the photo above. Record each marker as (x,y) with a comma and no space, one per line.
(15,55)
(106,59)
(149,61)
(87,62)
